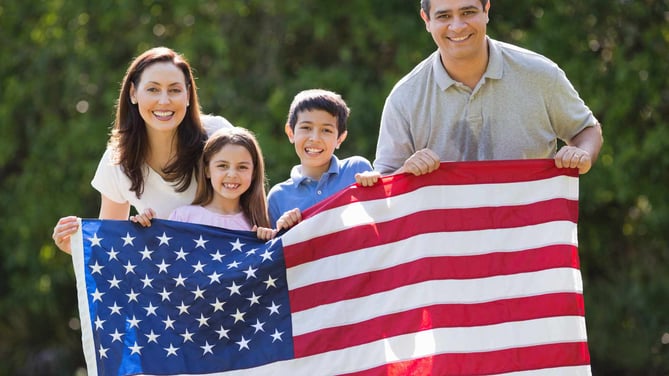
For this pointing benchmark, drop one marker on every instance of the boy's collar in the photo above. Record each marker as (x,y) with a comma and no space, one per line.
(298,177)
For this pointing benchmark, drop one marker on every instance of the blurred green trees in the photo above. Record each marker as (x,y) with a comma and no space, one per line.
(61,66)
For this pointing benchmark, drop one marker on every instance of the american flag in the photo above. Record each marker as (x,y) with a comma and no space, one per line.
(470,270)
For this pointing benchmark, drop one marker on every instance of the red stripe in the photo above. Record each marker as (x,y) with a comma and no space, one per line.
(433,268)
(430,221)
(439,316)
(486,363)
(449,173)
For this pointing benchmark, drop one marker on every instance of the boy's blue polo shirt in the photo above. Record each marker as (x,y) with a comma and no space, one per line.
(302,192)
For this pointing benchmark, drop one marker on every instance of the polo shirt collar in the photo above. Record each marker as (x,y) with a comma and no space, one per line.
(298,178)
(493,71)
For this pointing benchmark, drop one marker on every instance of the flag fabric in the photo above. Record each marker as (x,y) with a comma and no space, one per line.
(470,270)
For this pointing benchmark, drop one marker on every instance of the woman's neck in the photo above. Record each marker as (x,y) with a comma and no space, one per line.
(162,150)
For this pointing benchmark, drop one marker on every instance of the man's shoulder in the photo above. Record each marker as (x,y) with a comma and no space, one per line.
(521,55)
(416,77)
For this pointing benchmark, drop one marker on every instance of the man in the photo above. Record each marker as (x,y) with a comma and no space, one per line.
(476,98)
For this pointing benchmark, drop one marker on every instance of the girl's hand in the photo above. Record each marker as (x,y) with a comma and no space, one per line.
(63,231)
(144,218)
(264,233)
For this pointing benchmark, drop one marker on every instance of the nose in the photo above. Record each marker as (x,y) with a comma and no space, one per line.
(314,134)
(164,98)
(457,24)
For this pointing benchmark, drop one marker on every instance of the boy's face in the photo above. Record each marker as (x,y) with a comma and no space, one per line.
(315,137)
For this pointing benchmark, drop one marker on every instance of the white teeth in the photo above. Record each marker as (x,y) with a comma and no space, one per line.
(163,113)
(459,39)
(231,186)
(310,150)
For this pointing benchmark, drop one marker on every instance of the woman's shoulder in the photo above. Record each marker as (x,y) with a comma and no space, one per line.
(212,123)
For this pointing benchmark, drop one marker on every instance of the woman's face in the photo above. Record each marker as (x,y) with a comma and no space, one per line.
(161,96)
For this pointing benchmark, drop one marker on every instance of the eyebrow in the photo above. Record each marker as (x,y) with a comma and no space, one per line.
(313,122)
(160,84)
(229,162)
(468,7)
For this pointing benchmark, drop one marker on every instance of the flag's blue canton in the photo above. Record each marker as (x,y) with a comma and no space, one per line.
(177,297)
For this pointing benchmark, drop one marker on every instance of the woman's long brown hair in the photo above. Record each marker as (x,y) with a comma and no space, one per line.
(129,138)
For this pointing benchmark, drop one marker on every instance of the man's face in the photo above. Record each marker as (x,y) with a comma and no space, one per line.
(458,27)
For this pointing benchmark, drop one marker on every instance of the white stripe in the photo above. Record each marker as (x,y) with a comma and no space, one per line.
(464,243)
(432,197)
(561,371)
(77,247)
(428,293)
(427,343)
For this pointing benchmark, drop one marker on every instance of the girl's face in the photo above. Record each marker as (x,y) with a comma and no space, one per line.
(230,171)
(161,96)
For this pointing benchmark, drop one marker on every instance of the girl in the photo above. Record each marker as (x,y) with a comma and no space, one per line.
(231,189)
(155,144)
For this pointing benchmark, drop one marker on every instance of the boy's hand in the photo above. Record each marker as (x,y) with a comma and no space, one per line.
(144,218)
(289,219)
(264,233)
(367,178)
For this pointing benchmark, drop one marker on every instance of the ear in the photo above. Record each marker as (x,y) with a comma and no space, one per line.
(487,12)
(206,172)
(133,99)
(289,133)
(341,138)
(426,19)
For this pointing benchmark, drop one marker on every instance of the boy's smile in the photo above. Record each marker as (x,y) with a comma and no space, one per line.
(315,137)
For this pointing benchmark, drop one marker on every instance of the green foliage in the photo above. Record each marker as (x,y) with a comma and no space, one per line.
(61,70)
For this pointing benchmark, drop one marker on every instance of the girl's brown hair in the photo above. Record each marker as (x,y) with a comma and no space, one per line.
(254,201)
(129,139)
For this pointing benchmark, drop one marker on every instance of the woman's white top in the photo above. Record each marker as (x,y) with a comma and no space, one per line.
(158,194)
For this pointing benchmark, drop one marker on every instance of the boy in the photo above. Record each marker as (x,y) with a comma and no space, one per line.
(316,125)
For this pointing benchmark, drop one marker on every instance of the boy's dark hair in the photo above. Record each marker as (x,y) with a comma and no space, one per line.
(319,99)
(425,4)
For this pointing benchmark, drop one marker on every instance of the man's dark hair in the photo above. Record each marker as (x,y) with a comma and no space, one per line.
(425,4)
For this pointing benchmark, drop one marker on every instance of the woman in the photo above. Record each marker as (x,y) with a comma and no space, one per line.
(155,144)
